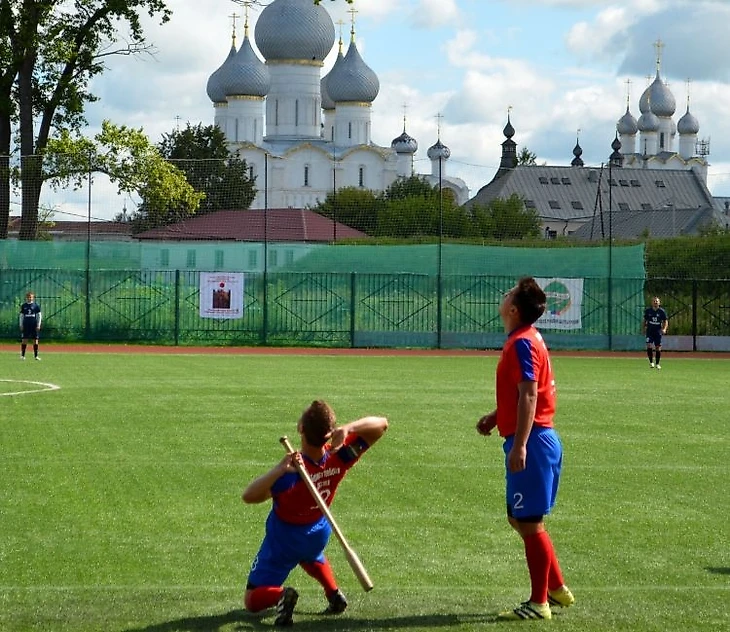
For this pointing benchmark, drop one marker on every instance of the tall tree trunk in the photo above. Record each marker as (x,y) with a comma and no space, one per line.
(30,163)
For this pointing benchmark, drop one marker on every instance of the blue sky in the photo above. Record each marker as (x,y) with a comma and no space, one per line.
(560,65)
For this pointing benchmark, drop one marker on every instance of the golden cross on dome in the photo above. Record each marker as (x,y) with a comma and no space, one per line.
(340,23)
(352,13)
(658,45)
(628,92)
(246,8)
(439,116)
(234,17)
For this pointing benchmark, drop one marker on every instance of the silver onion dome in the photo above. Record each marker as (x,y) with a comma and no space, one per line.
(627,124)
(648,122)
(439,150)
(352,80)
(327,102)
(659,98)
(688,124)
(404,144)
(294,29)
(214,88)
(246,74)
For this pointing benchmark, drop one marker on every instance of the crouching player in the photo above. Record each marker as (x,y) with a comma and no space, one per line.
(296,530)
(533,453)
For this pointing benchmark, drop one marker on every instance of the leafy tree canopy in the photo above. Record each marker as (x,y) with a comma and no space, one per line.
(202,153)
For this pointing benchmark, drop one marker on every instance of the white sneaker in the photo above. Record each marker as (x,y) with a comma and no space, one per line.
(37,358)
(22,357)
(651,365)
(658,366)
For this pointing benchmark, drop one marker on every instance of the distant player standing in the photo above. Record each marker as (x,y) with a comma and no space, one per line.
(30,324)
(654,327)
(533,452)
(296,530)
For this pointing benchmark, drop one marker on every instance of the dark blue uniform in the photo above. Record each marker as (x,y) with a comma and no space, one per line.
(654,319)
(30,319)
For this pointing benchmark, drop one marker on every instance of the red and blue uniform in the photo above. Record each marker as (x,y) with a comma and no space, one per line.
(525,358)
(296,529)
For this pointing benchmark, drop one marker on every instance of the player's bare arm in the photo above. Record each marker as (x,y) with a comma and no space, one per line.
(526,406)
(369,428)
(487,423)
(259,489)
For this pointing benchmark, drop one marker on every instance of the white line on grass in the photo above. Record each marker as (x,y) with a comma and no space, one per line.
(46,387)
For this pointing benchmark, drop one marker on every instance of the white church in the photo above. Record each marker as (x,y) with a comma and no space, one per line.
(302,134)
(655,140)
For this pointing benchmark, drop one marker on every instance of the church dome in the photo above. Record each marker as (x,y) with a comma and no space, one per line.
(439,150)
(404,144)
(659,98)
(246,74)
(508,130)
(327,102)
(215,90)
(627,124)
(649,122)
(352,80)
(688,124)
(294,29)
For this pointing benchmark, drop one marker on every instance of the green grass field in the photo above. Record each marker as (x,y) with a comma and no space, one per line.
(121,491)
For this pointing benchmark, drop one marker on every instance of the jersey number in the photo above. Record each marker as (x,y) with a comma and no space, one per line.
(518,501)
(325,494)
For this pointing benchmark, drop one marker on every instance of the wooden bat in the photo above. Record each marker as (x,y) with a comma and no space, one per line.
(352,559)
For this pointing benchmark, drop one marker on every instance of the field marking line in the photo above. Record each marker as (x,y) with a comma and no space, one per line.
(47,387)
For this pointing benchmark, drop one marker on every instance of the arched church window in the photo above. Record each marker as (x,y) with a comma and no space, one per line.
(306,175)
(361,176)
(349,130)
(296,113)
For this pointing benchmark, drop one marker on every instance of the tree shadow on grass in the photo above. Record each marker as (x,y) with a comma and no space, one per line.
(718,570)
(247,621)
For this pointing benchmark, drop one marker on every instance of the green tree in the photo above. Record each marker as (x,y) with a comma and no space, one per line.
(526,157)
(506,219)
(355,207)
(50,50)
(130,161)
(203,156)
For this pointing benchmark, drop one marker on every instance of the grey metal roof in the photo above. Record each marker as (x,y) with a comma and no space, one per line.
(571,193)
(653,223)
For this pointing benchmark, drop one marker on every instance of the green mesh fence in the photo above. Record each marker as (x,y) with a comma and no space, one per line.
(358,296)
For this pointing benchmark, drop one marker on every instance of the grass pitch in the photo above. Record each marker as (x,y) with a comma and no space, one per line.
(121,492)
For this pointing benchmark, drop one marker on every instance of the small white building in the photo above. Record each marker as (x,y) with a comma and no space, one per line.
(304,135)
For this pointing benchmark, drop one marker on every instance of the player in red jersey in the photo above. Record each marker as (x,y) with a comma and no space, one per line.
(296,530)
(533,452)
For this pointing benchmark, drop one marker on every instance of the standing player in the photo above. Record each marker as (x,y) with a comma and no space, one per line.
(654,327)
(30,324)
(296,530)
(524,418)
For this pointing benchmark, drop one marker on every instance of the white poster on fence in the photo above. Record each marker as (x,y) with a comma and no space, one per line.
(564,301)
(221,295)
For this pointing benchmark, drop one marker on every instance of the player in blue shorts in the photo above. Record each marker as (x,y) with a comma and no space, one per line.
(296,530)
(533,453)
(30,325)
(655,326)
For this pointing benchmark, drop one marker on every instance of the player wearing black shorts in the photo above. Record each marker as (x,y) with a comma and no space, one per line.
(655,326)
(30,324)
